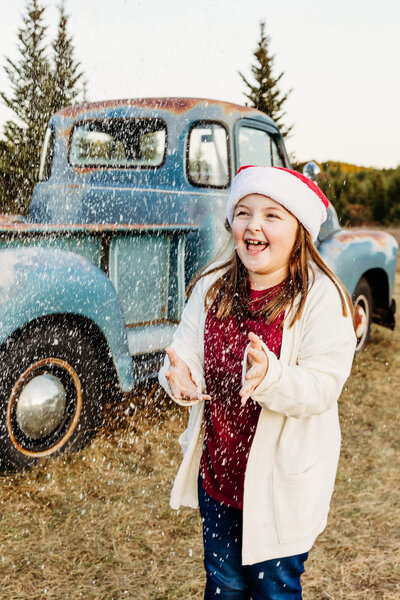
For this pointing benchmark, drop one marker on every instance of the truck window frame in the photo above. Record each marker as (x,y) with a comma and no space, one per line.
(193,125)
(46,158)
(116,166)
(269,129)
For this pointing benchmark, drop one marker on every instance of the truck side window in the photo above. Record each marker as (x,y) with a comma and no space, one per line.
(277,159)
(257,147)
(207,164)
(47,155)
(120,142)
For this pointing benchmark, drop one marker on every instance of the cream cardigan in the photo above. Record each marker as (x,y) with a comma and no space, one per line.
(293,459)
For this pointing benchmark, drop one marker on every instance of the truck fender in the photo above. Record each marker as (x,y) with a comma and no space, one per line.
(38,282)
(352,254)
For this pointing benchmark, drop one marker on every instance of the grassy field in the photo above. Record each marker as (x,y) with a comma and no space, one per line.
(97,524)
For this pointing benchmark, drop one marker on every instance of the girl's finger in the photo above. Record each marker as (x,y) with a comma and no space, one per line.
(255,340)
(189,397)
(256,354)
(253,374)
(246,390)
(175,392)
(171,378)
(243,390)
(244,399)
(173,359)
(258,360)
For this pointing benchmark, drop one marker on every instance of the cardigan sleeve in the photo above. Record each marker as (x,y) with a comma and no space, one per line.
(313,384)
(187,342)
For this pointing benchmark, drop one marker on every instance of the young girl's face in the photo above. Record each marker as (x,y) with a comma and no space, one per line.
(264,233)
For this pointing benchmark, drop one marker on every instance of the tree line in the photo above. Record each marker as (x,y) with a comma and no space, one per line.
(362,195)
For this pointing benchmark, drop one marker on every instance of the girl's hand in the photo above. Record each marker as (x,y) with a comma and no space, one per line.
(180,380)
(257,362)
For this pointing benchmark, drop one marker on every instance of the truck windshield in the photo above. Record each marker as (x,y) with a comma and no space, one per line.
(122,143)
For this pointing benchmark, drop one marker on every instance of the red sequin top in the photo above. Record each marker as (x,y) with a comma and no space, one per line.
(230,427)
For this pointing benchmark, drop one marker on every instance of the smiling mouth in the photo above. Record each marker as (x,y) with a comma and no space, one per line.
(255,247)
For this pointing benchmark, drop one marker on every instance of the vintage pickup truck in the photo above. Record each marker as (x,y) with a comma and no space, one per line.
(130,204)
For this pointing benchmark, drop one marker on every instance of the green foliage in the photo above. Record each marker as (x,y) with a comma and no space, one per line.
(39,87)
(29,79)
(361,195)
(264,94)
(65,74)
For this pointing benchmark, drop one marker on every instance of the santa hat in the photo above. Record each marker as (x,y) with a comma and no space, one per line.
(294,191)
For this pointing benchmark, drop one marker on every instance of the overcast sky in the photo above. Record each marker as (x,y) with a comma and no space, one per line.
(340,58)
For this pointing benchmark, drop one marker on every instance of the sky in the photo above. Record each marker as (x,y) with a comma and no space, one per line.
(339,58)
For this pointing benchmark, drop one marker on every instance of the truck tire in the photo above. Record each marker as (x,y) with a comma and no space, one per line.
(362,299)
(51,393)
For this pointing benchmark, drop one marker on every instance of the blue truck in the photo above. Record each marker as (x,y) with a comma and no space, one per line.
(130,204)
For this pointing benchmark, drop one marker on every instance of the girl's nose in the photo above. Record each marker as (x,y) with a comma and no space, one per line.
(254,224)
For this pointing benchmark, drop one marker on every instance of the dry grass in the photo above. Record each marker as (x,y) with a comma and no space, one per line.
(97,525)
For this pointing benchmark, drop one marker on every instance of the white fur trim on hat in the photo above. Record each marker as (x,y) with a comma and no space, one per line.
(295,192)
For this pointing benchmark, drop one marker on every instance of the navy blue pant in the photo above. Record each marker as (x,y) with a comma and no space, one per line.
(227,579)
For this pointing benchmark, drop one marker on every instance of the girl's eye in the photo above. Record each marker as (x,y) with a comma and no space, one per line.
(272,215)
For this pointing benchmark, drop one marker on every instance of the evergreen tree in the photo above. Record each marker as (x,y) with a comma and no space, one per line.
(264,94)
(38,89)
(5,178)
(65,76)
(29,100)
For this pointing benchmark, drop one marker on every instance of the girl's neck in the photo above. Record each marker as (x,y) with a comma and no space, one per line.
(262,281)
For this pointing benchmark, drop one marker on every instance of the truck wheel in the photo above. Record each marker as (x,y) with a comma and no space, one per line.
(51,393)
(362,299)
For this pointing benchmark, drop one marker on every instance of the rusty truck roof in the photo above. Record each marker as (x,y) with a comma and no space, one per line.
(176,105)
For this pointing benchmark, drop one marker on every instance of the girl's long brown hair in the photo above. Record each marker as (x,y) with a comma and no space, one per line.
(230,291)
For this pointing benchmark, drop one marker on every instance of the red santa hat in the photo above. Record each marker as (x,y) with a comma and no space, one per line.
(294,191)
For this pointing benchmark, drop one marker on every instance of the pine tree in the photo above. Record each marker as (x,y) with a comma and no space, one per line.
(29,100)
(6,199)
(66,75)
(264,94)
(38,89)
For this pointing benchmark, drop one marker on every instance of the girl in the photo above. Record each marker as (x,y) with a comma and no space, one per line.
(263,349)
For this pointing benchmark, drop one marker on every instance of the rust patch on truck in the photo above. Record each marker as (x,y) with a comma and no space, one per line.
(177,105)
(174,105)
(378,237)
(10,221)
(65,132)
